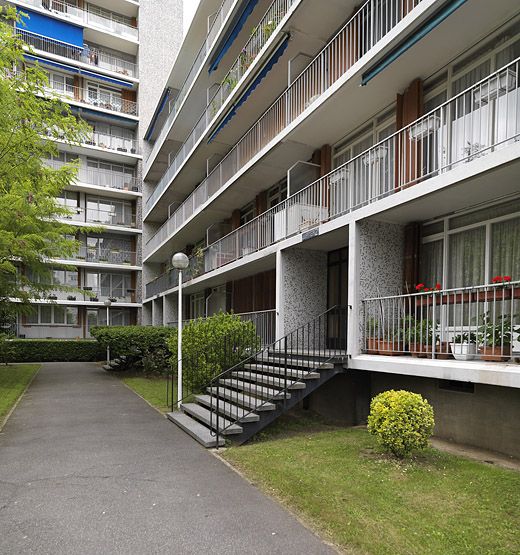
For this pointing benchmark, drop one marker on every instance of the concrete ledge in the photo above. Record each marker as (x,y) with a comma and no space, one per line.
(491,373)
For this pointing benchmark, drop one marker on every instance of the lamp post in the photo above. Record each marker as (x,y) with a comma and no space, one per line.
(179,262)
(108,303)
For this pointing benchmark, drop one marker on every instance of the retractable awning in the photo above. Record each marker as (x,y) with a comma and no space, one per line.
(52,28)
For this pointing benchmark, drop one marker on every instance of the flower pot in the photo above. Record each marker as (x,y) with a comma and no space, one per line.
(389,348)
(418,350)
(495,354)
(372,346)
(443,351)
(463,351)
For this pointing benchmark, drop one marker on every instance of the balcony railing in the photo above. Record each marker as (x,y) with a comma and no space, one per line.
(102,178)
(466,323)
(480,120)
(113,142)
(264,30)
(358,36)
(111,22)
(115,295)
(94,57)
(106,256)
(263,320)
(175,104)
(94,97)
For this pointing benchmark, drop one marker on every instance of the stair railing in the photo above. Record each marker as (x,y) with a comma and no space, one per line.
(201,365)
(323,338)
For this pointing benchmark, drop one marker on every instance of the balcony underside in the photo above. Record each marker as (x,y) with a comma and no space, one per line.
(331,120)
(492,373)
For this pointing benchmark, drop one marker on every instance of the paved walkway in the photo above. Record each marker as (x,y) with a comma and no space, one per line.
(88,467)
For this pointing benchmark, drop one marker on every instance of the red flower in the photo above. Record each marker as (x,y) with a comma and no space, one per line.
(506,278)
(438,286)
(419,286)
(496,279)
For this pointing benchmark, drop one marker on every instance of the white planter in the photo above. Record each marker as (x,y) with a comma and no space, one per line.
(463,351)
(375,155)
(495,87)
(422,129)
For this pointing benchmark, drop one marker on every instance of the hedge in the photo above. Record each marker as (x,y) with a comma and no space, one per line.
(52,350)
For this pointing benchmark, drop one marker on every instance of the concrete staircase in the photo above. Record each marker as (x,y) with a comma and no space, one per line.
(252,395)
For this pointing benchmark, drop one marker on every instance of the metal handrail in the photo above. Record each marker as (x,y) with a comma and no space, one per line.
(309,340)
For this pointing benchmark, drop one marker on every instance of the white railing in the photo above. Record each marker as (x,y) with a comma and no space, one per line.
(101,178)
(465,323)
(113,142)
(175,103)
(115,295)
(259,37)
(92,56)
(357,37)
(69,10)
(480,120)
(107,256)
(94,97)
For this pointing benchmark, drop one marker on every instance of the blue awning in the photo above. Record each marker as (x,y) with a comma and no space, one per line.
(50,63)
(111,80)
(232,33)
(162,103)
(101,115)
(52,28)
(265,70)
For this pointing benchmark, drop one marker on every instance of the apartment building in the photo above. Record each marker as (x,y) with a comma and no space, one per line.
(361,156)
(92,54)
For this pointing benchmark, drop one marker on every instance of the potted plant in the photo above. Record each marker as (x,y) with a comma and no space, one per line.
(372,343)
(71,298)
(94,299)
(464,346)
(421,338)
(52,297)
(495,337)
(198,262)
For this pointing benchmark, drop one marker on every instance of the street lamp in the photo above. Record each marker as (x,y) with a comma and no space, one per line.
(179,262)
(108,303)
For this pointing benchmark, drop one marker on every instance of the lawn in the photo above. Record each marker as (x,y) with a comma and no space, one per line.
(151,389)
(14,378)
(367,502)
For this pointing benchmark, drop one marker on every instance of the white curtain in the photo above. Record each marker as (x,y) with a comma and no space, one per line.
(466,258)
(505,249)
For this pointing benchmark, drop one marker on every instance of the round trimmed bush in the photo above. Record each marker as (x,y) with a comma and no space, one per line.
(402,421)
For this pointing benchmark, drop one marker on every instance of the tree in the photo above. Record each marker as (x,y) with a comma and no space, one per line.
(31,119)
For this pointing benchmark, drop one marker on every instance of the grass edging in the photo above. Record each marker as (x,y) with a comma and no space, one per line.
(4,420)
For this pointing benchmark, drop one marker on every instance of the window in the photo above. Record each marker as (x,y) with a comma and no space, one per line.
(104,97)
(472,247)
(109,211)
(247,213)
(61,83)
(106,174)
(109,284)
(53,315)
(197,305)
(277,193)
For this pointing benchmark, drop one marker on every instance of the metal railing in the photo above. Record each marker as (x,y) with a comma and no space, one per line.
(82,15)
(465,323)
(92,56)
(107,256)
(259,37)
(224,350)
(175,104)
(474,123)
(113,142)
(94,97)
(322,340)
(107,217)
(102,178)
(374,20)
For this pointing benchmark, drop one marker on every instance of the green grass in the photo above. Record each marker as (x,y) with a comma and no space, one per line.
(151,389)
(367,502)
(14,378)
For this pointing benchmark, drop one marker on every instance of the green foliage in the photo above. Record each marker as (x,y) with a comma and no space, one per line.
(30,115)
(144,346)
(210,346)
(402,421)
(6,348)
(53,350)
(416,331)
(496,332)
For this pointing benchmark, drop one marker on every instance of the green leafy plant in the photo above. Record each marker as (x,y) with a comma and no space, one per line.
(466,337)
(496,332)
(373,327)
(401,421)
(144,347)
(210,346)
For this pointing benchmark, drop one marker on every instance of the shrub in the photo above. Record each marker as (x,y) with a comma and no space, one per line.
(52,350)
(144,347)
(210,346)
(401,420)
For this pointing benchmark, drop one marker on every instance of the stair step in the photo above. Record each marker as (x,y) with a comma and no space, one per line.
(107,367)
(240,399)
(296,362)
(195,429)
(268,380)
(227,427)
(256,390)
(225,407)
(280,371)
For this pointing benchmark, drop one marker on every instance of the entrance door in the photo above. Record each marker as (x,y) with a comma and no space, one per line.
(337,292)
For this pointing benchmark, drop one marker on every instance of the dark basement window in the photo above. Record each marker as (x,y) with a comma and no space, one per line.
(453,385)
